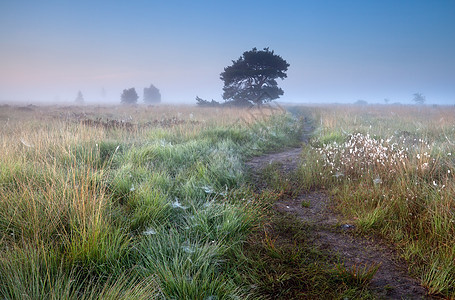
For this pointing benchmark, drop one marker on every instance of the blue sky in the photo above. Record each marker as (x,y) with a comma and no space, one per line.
(339,51)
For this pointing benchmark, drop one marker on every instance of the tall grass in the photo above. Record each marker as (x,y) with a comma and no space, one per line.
(392,170)
(131,202)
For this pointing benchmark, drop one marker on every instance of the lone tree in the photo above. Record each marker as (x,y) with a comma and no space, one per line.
(252,78)
(79,98)
(129,96)
(152,94)
(419,98)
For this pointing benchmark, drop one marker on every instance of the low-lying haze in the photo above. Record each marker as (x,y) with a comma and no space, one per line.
(339,51)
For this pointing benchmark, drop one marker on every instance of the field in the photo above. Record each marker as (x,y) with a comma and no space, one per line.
(125,202)
(157,201)
(391,171)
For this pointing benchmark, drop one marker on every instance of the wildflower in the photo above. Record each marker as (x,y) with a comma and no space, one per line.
(132,188)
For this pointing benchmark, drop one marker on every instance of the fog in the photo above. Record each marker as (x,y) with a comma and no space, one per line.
(338,52)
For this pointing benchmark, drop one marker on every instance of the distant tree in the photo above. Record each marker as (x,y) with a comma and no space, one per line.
(360,102)
(252,78)
(203,102)
(129,96)
(79,98)
(419,98)
(152,94)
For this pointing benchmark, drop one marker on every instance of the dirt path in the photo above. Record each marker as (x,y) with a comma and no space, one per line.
(330,234)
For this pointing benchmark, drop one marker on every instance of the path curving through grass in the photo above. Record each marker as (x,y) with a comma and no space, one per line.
(339,263)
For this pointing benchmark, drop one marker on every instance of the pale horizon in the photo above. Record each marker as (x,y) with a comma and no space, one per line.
(338,51)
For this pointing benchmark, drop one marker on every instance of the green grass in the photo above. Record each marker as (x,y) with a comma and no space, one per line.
(156,209)
(391,170)
(279,260)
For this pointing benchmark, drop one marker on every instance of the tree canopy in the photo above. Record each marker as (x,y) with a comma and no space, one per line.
(252,78)
(419,98)
(129,96)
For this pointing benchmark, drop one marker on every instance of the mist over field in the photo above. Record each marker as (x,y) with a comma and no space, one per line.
(227,150)
(338,52)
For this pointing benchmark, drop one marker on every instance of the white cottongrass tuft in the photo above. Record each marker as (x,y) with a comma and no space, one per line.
(377,180)
(362,154)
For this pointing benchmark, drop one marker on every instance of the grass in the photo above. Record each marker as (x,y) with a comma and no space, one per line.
(154,202)
(129,202)
(391,169)
(280,261)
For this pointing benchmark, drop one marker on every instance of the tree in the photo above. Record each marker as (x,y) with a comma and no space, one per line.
(152,94)
(79,98)
(419,98)
(252,78)
(203,102)
(129,96)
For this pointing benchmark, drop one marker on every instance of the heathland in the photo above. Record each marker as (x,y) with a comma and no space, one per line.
(157,202)
(129,202)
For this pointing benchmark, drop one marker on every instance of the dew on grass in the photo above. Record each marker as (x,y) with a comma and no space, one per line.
(188,249)
(177,204)
(149,231)
(208,189)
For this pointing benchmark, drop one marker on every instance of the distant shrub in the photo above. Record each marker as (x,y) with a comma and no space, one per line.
(361,102)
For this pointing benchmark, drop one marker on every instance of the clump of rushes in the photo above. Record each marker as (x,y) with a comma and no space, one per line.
(393,173)
(129,202)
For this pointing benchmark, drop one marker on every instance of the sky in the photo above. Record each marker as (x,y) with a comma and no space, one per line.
(339,51)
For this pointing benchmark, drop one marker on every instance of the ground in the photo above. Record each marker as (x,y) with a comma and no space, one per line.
(332,233)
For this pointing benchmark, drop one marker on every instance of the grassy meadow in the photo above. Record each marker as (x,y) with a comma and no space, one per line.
(129,202)
(154,202)
(391,171)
